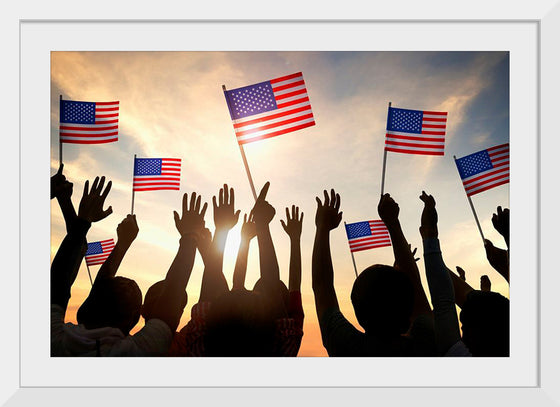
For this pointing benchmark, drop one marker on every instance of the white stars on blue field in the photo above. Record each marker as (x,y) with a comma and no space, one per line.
(405,120)
(358,229)
(77,112)
(251,100)
(147,166)
(474,163)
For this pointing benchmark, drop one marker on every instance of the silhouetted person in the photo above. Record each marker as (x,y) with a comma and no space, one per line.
(485,284)
(484,314)
(499,258)
(383,297)
(461,273)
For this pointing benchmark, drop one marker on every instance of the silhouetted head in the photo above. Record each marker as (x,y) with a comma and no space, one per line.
(114,302)
(278,294)
(151,298)
(382,298)
(485,323)
(239,324)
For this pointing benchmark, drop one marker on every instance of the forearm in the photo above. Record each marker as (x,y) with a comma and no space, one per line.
(294,283)
(240,270)
(461,288)
(68,211)
(111,265)
(442,295)
(168,308)
(322,274)
(66,262)
(267,255)
(213,281)
(405,262)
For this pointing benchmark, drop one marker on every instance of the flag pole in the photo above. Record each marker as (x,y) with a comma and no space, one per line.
(472,206)
(59,141)
(352,253)
(133,167)
(89,274)
(384,164)
(244,158)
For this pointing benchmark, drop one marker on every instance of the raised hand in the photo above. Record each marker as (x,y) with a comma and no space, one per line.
(414,252)
(461,273)
(500,220)
(127,230)
(248,229)
(225,216)
(498,258)
(61,188)
(485,283)
(191,221)
(293,225)
(91,205)
(327,216)
(388,210)
(429,219)
(263,212)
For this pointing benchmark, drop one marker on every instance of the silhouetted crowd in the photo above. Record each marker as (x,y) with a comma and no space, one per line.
(389,300)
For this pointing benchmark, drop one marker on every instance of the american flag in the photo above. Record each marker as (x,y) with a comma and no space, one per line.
(151,174)
(367,235)
(97,252)
(88,122)
(415,131)
(484,169)
(270,108)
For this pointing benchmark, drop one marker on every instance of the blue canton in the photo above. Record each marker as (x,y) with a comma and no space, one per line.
(94,248)
(251,100)
(474,163)
(359,229)
(405,120)
(147,166)
(77,112)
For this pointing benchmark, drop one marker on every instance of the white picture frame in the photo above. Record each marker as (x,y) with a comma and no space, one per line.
(545,16)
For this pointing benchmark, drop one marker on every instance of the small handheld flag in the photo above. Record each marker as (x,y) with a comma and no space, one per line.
(88,122)
(415,131)
(367,235)
(269,109)
(97,252)
(152,174)
(484,169)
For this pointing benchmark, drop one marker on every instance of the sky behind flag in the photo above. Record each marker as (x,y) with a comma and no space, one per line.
(172,105)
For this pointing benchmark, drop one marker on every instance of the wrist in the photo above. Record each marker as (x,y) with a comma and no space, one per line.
(80,225)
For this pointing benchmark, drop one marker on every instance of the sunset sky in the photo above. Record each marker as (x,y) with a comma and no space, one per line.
(172,105)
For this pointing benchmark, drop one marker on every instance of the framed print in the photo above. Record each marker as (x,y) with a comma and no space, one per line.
(516,53)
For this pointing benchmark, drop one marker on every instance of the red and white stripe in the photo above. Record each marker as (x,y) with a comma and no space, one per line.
(379,238)
(499,175)
(105,129)
(170,178)
(293,112)
(107,247)
(430,142)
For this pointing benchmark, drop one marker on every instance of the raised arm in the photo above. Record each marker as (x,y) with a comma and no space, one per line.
(460,287)
(439,282)
(190,226)
(127,231)
(500,220)
(263,213)
(498,258)
(388,210)
(248,232)
(214,283)
(66,262)
(292,227)
(327,218)
(61,189)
